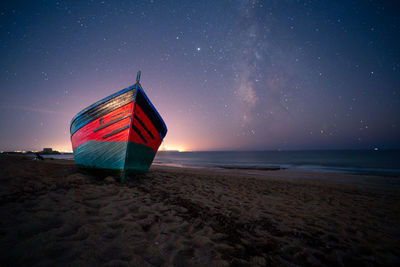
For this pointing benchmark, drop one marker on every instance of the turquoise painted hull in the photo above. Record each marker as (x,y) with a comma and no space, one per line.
(117,156)
(139,157)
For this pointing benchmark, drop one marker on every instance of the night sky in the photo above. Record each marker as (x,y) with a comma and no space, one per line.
(224,75)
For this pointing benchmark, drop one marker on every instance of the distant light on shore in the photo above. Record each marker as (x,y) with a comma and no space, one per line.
(178,148)
(62,148)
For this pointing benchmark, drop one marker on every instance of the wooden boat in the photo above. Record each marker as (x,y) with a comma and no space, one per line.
(120,133)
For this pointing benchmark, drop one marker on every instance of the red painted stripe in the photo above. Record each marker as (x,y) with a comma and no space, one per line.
(91,131)
(134,137)
(86,133)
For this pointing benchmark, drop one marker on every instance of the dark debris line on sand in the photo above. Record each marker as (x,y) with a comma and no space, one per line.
(52,213)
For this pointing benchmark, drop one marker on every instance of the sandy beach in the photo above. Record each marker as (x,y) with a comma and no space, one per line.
(55,214)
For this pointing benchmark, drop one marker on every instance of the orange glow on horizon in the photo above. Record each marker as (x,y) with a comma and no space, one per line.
(173,147)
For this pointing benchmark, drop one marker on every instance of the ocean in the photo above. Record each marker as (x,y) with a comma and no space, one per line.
(381,162)
(371,162)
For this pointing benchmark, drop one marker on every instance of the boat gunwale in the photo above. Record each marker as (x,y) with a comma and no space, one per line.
(101,101)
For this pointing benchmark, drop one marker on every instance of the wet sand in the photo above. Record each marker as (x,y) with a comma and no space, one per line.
(52,213)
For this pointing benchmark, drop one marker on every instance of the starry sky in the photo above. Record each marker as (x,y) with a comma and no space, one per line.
(224,75)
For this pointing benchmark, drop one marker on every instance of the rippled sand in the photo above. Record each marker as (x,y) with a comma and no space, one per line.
(51,213)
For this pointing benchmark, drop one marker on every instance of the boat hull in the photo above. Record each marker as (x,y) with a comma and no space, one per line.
(114,156)
(120,133)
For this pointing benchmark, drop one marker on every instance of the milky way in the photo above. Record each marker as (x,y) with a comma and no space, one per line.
(225,75)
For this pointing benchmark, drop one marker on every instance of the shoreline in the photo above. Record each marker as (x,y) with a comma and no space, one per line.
(293,174)
(376,172)
(52,212)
